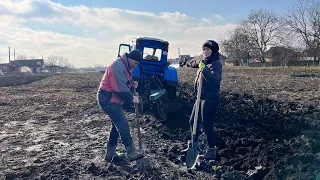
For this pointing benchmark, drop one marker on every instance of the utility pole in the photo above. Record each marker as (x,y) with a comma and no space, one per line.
(9,54)
(14,54)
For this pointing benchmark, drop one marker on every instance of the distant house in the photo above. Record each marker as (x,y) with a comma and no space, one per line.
(54,69)
(283,56)
(226,61)
(229,62)
(197,59)
(187,57)
(5,67)
(34,64)
(173,61)
(311,56)
(183,59)
(257,59)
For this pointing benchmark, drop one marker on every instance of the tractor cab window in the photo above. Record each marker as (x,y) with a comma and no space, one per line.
(124,48)
(152,54)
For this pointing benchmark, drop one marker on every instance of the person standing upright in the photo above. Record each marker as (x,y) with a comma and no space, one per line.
(210,68)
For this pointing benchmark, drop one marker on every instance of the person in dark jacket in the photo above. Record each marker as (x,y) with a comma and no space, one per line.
(210,68)
(114,91)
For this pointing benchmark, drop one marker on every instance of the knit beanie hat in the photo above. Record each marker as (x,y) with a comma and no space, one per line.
(135,55)
(211,44)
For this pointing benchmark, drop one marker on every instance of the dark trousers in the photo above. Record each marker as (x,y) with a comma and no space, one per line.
(207,111)
(120,124)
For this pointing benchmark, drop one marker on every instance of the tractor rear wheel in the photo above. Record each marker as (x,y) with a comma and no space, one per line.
(171,91)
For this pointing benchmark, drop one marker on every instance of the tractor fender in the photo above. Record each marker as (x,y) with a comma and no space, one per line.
(170,75)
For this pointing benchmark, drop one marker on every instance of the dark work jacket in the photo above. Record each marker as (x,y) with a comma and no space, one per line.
(211,78)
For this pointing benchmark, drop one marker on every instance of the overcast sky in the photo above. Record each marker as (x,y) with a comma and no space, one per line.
(89,32)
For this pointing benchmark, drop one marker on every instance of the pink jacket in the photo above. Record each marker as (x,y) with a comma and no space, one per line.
(117,80)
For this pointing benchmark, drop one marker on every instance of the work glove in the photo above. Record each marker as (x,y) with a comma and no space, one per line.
(201,65)
(135,84)
(136,100)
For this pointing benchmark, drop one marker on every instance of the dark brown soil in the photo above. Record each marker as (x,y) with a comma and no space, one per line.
(267,127)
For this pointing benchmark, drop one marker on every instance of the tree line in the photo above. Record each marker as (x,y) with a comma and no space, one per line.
(52,60)
(296,34)
(60,61)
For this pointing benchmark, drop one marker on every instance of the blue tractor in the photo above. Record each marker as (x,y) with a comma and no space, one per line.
(158,80)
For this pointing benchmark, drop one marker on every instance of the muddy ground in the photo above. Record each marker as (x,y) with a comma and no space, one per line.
(267,127)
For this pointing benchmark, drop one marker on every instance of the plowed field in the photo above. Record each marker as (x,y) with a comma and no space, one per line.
(267,127)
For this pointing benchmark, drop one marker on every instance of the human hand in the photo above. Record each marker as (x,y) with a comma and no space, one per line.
(136,100)
(135,84)
(201,65)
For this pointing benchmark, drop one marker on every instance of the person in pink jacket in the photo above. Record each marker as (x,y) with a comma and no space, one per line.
(114,91)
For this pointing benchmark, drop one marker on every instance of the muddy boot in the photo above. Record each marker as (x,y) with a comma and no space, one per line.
(132,153)
(110,152)
(196,145)
(210,154)
(112,155)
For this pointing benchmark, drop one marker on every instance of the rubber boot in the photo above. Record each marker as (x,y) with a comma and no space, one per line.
(110,153)
(210,154)
(132,153)
(196,145)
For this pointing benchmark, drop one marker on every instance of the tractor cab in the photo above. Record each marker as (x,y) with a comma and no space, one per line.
(155,52)
(157,80)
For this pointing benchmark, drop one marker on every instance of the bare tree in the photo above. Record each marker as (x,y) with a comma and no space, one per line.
(22,57)
(54,60)
(304,19)
(51,60)
(63,62)
(262,28)
(25,57)
(283,54)
(237,46)
(32,57)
